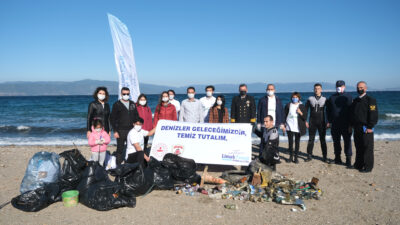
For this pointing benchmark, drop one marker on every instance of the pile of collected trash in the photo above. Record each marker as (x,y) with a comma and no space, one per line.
(259,184)
(46,180)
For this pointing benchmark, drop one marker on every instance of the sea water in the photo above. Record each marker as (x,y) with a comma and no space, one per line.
(61,120)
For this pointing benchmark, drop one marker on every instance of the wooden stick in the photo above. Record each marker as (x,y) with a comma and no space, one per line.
(202,177)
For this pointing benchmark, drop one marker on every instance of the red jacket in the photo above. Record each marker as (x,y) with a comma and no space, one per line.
(145,114)
(165,113)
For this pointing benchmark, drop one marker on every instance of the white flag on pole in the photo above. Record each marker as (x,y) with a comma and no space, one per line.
(124,58)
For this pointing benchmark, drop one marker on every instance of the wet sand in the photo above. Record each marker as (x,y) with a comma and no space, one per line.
(349,197)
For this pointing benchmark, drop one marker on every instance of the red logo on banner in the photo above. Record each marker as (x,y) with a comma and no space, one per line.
(177,149)
(160,150)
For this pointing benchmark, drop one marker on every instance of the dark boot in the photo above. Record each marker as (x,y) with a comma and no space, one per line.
(296,160)
(324,158)
(290,158)
(309,158)
(348,162)
(338,160)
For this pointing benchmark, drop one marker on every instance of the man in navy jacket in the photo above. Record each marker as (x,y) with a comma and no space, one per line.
(270,105)
(338,113)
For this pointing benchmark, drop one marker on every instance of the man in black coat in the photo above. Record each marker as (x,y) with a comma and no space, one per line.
(270,105)
(364,116)
(123,115)
(338,113)
(243,108)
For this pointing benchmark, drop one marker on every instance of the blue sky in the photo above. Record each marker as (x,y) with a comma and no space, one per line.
(199,42)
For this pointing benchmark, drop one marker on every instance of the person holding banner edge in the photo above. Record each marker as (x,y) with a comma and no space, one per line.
(135,143)
(270,153)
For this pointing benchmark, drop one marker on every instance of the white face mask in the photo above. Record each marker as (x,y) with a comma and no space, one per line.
(101,97)
(171,97)
(125,97)
(219,102)
(165,99)
(270,93)
(98,130)
(191,95)
(209,93)
(138,128)
(339,89)
(143,103)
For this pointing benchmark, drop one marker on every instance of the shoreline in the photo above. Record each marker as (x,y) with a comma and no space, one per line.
(385,137)
(349,197)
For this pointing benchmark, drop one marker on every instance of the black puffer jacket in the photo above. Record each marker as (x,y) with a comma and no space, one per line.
(96,110)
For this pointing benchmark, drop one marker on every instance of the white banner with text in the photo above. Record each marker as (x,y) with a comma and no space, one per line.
(208,143)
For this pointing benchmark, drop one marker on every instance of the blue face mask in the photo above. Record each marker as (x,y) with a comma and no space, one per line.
(295,100)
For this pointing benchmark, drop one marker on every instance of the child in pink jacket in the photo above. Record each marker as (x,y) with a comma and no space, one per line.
(98,141)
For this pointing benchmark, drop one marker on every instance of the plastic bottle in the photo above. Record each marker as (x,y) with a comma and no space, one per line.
(231,206)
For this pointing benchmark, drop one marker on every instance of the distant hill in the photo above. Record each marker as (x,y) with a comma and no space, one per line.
(86,87)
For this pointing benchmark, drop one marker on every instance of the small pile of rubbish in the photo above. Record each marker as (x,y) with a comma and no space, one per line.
(279,189)
(261,186)
(46,180)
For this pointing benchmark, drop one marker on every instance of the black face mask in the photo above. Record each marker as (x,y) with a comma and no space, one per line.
(242,93)
(360,91)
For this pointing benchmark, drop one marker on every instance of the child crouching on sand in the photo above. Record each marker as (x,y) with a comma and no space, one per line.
(98,141)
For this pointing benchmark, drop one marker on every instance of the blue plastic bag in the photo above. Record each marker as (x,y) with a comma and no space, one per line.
(43,167)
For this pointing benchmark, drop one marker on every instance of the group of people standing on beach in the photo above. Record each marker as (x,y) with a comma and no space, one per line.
(133,122)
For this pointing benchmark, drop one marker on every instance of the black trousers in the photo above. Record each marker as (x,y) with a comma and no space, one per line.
(121,146)
(337,133)
(262,142)
(296,136)
(137,157)
(146,149)
(312,130)
(364,149)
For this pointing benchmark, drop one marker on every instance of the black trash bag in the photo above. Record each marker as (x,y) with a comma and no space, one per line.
(106,195)
(195,178)
(92,174)
(182,169)
(255,165)
(97,191)
(72,169)
(123,169)
(134,180)
(36,200)
(162,176)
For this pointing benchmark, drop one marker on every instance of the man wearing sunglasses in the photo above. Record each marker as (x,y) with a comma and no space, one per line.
(123,114)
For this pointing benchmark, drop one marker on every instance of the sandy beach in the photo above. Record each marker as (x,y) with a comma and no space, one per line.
(349,197)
